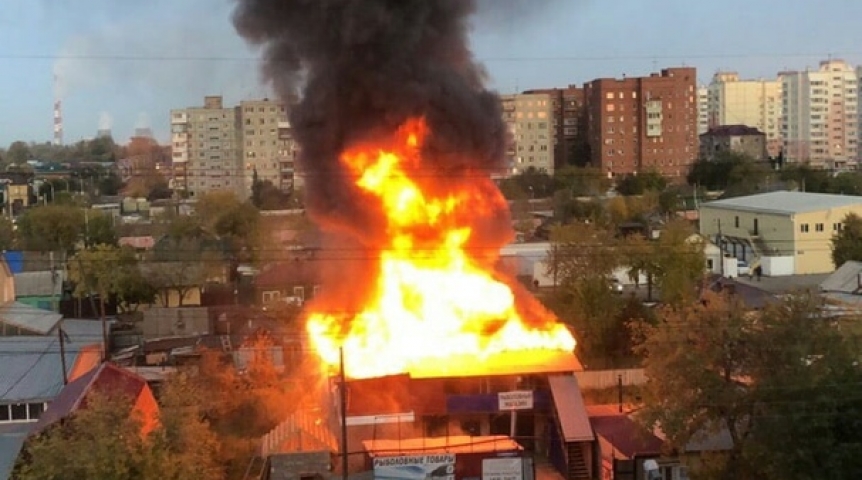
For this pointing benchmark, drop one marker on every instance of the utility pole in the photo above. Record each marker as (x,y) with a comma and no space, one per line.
(342,392)
(720,249)
(61,334)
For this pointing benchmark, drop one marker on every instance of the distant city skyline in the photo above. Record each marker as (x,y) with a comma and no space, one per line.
(126,66)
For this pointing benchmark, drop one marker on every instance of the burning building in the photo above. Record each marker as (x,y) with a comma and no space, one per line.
(399,139)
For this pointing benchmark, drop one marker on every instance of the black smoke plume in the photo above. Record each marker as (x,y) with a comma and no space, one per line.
(359,69)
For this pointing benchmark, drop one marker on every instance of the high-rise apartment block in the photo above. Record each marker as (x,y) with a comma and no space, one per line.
(219,148)
(206,148)
(646,123)
(259,121)
(531,123)
(567,109)
(820,122)
(753,103)
(702,109)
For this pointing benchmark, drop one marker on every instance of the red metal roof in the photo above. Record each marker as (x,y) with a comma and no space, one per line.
(571,411)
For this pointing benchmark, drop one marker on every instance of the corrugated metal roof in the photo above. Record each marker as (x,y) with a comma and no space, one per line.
(39,284)
(844,280)
(12,438)
(32,368)
(571,411)
(30,318)
(786,203)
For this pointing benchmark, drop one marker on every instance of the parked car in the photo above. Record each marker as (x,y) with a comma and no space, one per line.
(616,286)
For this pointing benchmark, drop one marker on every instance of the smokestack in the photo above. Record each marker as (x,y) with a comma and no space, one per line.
(360,70)
(58,122)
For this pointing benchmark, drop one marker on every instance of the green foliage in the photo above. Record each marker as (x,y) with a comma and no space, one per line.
(581,181)
(581,262)
(18,152)
(99,228)
(530,184)
(777,382)
(236,222)
(8,236)
(735,173)
(847,244)
(51,228)
(111,271)
(648,181)
(266,196)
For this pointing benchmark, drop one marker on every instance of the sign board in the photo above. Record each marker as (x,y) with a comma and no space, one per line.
(517,400)
(415,467)
(502,469)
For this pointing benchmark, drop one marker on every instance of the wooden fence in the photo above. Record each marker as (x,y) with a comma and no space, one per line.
(599,379)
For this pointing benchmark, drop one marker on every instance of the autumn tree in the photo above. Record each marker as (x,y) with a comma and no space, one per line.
(847,243)
(108,442)
(778,383)
(99,228)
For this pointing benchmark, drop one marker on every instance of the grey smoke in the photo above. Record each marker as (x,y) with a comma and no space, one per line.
(361,68)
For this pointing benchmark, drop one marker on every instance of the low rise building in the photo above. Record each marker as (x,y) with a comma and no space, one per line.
(782,232)
(740,139)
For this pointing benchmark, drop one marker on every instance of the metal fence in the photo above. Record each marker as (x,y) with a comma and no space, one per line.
(599,379)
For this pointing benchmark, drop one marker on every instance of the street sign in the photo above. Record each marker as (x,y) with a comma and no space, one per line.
(516,400)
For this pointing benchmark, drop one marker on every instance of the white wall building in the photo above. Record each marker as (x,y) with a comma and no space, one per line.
(820,122)
(753,103)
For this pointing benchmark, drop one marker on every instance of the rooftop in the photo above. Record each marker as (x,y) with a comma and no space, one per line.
(785,202)
(437,445)
(733,131)
(12,438)
(39,284)
(847,279)
(26,317)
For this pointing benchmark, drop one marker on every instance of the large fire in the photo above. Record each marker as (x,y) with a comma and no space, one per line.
(435,298)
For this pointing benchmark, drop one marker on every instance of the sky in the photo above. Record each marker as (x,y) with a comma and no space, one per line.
(124,65)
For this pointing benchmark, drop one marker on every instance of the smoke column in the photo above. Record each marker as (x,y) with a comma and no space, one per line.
(358,69)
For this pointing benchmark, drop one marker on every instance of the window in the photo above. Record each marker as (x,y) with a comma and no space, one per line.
(803,228)
(736,222)
(4,413)
(19,411)
(316,291)
(271,296)
(299,292)
(35,410)
(818,227)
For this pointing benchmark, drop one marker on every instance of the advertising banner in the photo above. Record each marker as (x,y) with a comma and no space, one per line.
(415,467)
(517,400)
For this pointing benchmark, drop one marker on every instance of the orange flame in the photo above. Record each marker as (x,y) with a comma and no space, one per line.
(432,300)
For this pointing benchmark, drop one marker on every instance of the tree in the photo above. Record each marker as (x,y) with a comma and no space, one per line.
(847,243)
(581,181)
(581,262)
(736,173)
(233,221)
(531,182)
(18,153)
(777,382)
(109,442)
(111,272)
(650,180)
(100,229)
(679,262)
(51,228)
(8,236)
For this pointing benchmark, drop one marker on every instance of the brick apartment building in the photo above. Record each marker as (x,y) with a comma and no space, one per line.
(638,124)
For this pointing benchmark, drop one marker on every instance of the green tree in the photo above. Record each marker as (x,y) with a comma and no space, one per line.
(650,180)
(51,228)
(735,173)
(581,181)
(99,228)
(8,236)
(778,383)
(531,182)
(18,153)
(235,222)
(581,262)
(679,262)
(847,243)
(110,272)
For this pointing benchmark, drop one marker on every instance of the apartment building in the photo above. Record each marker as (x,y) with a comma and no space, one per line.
(290,176)
(567,113)
(753,103)
(261,149)
(220,148)
(702,109)
(820,121)
(530,120)
(206,148)
(643,123)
